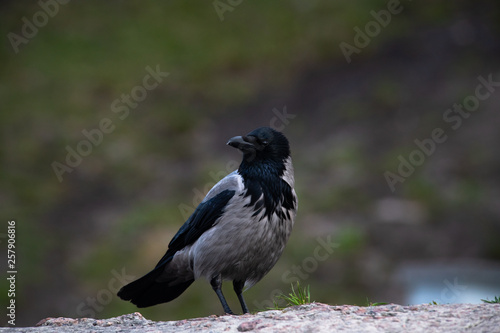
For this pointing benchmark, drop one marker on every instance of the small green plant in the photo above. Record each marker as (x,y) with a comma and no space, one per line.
(299,296)
(433,303)
(369,303)
(495,300)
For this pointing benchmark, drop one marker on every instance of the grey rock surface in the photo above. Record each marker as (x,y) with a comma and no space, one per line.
(314,317)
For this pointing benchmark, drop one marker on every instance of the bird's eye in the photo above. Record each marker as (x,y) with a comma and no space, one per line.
(265,142)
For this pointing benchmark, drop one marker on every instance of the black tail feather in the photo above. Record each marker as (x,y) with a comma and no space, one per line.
(147,291)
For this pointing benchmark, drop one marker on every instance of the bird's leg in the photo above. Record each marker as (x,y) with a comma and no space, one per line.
(238,289)
(216,283)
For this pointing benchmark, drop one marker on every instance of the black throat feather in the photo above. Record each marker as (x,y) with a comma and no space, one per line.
(267,190)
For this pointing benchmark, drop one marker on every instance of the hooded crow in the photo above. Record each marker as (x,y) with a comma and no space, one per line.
(237,233)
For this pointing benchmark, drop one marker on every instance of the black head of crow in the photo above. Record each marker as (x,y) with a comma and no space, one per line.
(237,233)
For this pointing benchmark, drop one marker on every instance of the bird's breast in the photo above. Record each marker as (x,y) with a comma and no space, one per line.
(243,245)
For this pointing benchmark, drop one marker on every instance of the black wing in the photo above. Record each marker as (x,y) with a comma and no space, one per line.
(201,220)
(151,289)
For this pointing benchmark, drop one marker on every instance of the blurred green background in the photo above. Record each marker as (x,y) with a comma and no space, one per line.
(348,122)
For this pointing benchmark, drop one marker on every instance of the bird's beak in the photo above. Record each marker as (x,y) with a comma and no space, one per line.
(241,142)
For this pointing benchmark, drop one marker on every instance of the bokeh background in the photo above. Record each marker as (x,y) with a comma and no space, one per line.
(234,66)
